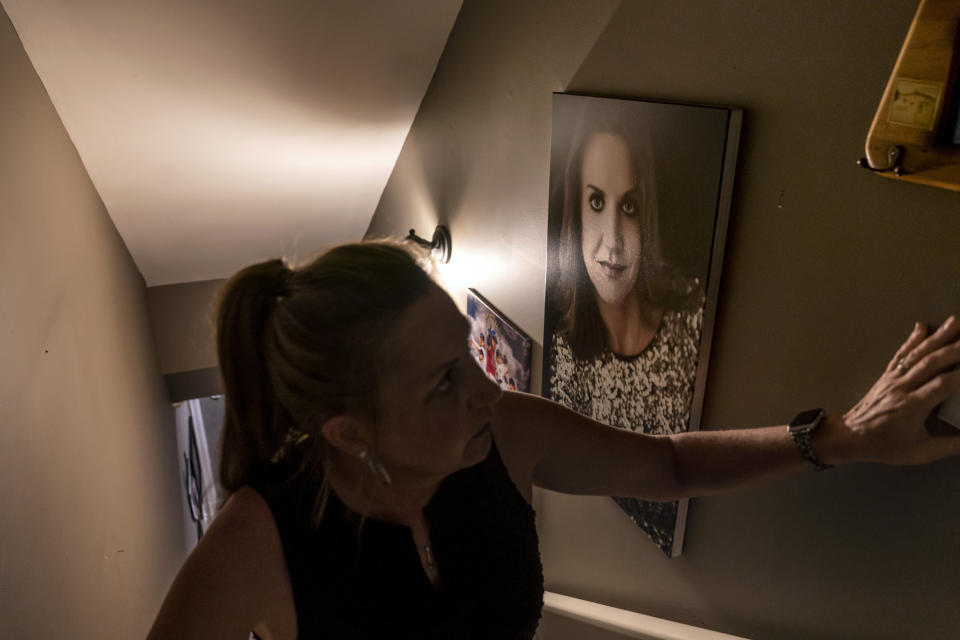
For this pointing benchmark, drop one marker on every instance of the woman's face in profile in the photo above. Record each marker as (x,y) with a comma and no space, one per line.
(437,404)
(610,216)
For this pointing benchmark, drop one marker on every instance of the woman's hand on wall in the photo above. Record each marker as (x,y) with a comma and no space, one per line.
(887,425)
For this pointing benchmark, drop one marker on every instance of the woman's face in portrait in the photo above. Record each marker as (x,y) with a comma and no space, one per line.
(610,217)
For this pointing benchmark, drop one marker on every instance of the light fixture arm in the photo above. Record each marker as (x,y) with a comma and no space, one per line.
(441,246)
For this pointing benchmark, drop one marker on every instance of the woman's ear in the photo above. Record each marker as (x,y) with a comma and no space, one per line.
(346,434)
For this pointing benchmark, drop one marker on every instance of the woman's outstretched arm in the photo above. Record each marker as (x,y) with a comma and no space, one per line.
(550,446)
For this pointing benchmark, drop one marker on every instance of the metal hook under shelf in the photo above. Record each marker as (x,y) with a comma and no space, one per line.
(894,156)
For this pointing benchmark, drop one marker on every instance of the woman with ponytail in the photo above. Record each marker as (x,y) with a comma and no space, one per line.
(379,484)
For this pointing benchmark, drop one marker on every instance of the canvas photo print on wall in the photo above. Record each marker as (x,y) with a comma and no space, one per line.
(501,349)
(639,201)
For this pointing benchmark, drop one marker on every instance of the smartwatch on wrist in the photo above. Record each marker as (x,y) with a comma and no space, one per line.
(800,428)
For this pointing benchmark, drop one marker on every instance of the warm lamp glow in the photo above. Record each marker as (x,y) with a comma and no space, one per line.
(465,270)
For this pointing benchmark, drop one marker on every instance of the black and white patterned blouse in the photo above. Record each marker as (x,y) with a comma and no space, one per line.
(650,392)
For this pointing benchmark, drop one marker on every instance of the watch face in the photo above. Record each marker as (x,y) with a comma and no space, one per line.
(804,419)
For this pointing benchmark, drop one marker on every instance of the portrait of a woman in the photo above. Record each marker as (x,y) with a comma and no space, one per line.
(626,322)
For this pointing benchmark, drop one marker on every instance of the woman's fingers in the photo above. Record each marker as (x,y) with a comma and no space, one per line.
(933,363)
(913,341)
(941,387)
(946,334)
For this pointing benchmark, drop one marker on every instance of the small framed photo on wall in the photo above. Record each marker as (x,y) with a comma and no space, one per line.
(501,349)
(639,199)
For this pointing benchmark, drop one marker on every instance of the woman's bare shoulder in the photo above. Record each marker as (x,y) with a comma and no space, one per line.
(246,512)
(235,580)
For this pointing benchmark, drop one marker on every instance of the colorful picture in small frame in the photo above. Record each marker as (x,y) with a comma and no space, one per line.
(501,349)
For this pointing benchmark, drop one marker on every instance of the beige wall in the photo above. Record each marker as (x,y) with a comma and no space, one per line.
(827,267)
(183,318)
(91,531)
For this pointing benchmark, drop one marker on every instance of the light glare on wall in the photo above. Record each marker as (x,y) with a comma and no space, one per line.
(464,270)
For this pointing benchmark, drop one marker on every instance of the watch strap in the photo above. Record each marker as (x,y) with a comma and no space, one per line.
(800,429)
(802,439)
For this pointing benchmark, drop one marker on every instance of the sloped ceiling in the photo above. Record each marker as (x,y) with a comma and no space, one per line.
(219,133)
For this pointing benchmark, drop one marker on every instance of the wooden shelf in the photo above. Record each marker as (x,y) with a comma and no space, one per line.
(911,137)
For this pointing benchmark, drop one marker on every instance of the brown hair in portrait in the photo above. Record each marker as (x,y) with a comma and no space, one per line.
(658,283)
(298,346)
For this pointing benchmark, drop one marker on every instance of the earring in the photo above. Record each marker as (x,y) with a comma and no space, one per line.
(376,468)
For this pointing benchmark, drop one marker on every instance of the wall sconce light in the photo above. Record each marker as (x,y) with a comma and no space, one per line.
(441,246)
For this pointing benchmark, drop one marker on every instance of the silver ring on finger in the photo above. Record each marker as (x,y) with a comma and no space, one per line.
(902,366)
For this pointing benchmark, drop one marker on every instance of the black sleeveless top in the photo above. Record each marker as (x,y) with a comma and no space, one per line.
(353,580)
